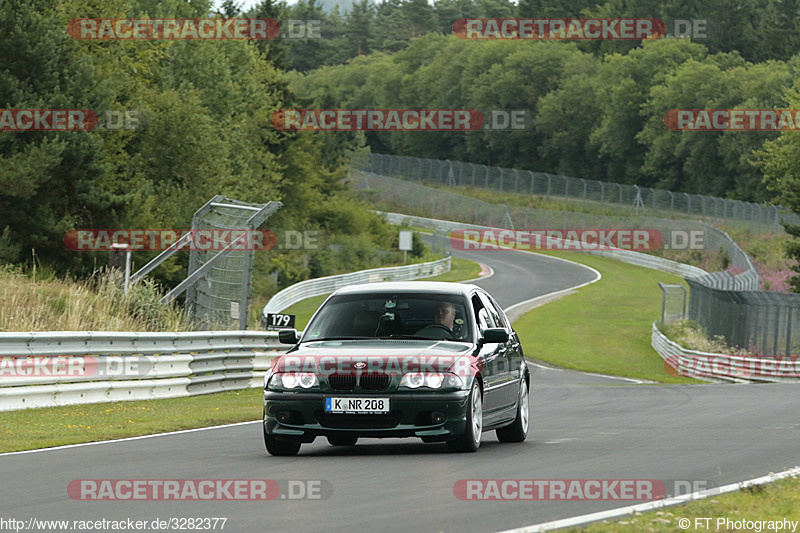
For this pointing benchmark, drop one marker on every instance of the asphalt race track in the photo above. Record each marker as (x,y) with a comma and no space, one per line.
(582,427)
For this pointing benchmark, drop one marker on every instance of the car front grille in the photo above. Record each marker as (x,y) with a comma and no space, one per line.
(342,381)
(374,382)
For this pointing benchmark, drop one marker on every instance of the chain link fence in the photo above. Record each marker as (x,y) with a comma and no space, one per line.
(673,303)
(219,299)
(763,322)
(630,199)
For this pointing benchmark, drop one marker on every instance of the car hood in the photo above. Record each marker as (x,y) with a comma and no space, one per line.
(381,356)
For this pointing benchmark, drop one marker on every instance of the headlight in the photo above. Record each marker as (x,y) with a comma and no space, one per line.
(432,380)
(293,380)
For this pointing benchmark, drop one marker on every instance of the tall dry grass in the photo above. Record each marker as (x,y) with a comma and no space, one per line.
(95,304)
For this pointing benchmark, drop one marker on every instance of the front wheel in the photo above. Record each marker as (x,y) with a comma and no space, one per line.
(470,441)
(518,430)
(281,447)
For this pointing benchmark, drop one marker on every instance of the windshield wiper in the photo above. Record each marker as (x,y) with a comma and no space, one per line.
(421,338)
(343,338)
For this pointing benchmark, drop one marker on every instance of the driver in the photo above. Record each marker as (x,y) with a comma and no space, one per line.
(444,315)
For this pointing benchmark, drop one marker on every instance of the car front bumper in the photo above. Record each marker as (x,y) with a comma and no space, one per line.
(304,419)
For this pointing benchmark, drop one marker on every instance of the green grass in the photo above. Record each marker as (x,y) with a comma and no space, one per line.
(772,501)
(55,426)
(460,270)
(605,326)
(304,309)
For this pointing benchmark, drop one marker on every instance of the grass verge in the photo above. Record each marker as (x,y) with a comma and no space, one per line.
(72,424)
(605,326)
(45,303)
(772,501)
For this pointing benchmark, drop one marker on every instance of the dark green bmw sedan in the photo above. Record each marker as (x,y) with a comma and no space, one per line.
(433,360)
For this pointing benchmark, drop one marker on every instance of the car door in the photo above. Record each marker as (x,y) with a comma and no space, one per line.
(512,354)
(492,356)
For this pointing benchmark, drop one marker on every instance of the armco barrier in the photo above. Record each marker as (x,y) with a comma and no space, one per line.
(724,367)
(319,286)
(89,367)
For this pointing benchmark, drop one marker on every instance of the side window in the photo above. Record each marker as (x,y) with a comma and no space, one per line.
(495,316)
(502,318)
(482,316)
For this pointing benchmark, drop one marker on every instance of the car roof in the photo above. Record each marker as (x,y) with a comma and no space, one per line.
(438,287)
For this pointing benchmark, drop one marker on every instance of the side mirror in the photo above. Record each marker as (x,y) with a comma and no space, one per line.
(288,336)
(495,335)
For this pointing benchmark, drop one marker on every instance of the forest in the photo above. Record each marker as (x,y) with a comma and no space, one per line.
(596,109)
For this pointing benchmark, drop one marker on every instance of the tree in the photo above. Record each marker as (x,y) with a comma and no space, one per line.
(48,179)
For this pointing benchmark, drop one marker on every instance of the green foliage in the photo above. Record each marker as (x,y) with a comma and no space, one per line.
(205,111)
(595,117)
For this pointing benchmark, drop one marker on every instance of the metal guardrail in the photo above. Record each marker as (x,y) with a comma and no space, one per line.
(66,367)
(319,286)
(717,367)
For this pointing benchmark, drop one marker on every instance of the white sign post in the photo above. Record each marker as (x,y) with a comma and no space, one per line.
(406,243)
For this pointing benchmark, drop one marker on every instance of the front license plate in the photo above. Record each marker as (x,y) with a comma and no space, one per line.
(357,405)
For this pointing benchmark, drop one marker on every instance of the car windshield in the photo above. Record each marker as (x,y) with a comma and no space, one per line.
(395,315)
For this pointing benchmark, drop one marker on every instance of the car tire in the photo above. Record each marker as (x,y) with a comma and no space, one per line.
(470,441)
(342,440)
(280,447)
(517,431)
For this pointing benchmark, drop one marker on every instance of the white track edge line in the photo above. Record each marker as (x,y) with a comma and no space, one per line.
(650,506)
